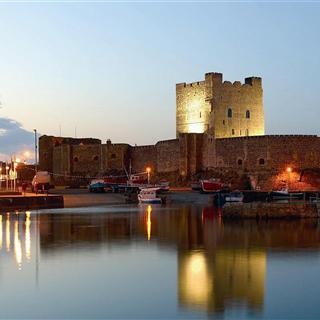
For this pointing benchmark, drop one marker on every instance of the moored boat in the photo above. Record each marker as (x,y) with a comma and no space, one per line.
(196,185)
(234,196)
(211,185)
(149,195)
(284,194)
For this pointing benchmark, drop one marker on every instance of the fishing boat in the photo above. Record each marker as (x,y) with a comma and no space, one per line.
(211,185)
(234,196)
(284,194)
(149,195)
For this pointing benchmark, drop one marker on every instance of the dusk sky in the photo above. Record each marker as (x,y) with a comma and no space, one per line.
(109,69)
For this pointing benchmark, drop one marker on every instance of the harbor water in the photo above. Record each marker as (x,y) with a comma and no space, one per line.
(156,262)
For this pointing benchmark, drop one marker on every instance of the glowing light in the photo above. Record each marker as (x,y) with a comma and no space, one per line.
(196,127)
(17,245)
(27,236)
(148,169)
(289,169)
(18,160)
(8,242)
(27,154)
(149,210)
(196,281)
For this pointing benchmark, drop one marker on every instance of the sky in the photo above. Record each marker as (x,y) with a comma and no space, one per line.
(108,70)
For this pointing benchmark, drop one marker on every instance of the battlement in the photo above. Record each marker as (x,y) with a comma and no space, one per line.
(253,81)
(188,85)
(271,137)
(167,141)
(146,147)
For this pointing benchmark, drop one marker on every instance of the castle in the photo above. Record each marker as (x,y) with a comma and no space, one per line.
(219,127)
(221,109)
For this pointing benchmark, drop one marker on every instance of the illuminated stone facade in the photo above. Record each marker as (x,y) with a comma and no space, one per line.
(222,109)
(220,128)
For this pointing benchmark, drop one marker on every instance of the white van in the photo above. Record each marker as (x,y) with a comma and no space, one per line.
(41,182)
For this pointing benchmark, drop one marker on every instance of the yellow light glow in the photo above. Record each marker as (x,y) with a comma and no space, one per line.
(8,242)
(17,245)
(148,169)
(27,154)
(196,281)
(289,169)
(27,236)
(149,210)
(196,127)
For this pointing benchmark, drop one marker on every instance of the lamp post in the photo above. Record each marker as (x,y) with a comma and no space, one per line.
(35,149)
(148,172)
(7,168)
(289,170)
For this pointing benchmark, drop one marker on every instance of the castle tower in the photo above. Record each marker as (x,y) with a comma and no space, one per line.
(221,109)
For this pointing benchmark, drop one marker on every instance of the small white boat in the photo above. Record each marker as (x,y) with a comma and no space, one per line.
(284,194)
(234,196)
(149,195)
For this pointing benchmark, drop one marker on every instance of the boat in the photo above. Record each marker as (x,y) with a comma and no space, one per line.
(149,195)
(211,185)
(196,185)
(137,179)
(234,196)
(284,194)
(164,185)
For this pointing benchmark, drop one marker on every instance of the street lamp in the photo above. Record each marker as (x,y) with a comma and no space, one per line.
(148,172)
(7,185)
(35,149)
(15,164)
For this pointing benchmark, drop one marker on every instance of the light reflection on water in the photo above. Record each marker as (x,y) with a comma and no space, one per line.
(156,262)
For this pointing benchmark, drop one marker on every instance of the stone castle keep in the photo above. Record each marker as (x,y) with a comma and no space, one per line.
(219,127)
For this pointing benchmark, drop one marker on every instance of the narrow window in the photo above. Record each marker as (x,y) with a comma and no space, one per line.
(200,114)
(247,132)
(261,161)
(223,122)
(229,113)
(239,162)
(248,114)
(232,131)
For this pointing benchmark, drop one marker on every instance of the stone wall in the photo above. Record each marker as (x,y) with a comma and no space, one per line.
(143,157)
(192,109)
(116,156)
(47,145)
(238,108)
(168,155)
(86,159)
(268,152)
(263,159)
(61,157)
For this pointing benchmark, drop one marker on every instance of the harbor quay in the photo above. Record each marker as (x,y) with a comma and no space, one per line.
(255,205)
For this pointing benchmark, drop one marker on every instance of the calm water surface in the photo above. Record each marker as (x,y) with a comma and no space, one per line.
(155,262)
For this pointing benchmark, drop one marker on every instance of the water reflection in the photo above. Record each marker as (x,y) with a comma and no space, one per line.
(211,282)
(218,264)
(18,225)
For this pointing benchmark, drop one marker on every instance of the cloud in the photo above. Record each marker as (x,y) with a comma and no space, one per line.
(15,140)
